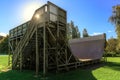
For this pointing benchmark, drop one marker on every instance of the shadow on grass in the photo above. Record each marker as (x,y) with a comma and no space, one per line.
(83,73)
(78,74)
(17,75)
(113,65)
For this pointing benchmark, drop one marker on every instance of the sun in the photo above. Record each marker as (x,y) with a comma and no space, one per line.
(29,10)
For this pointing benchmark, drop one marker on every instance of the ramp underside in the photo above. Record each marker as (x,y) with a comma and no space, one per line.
(86,49)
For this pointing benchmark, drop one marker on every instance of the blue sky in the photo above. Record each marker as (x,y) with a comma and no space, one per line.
(90,14)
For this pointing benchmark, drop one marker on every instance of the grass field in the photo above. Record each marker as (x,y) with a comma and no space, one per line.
(3,62)
(106,71)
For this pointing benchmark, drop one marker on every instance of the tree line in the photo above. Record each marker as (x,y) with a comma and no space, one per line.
(4,45)
(113,44)
(112,48)
(73,31)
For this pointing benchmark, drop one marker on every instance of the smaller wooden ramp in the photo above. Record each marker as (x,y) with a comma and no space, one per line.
(88,48)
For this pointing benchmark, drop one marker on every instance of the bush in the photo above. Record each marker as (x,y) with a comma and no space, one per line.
(4,46)
(111,54)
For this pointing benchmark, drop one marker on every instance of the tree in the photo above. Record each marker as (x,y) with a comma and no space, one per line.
(69,31)
(4,45)
(1,37)
(72,31)
(85,33)
(115,19)
(111,46)
(77,31)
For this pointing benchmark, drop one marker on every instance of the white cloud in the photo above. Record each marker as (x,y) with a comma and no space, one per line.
(96,33)
(109,31)
(3,34)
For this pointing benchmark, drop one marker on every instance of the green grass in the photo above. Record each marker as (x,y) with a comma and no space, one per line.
(107,71)
(110,71)
(3,61)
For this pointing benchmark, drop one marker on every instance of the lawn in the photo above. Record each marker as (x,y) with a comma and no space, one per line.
(110,71)
(106,71)
(3,62)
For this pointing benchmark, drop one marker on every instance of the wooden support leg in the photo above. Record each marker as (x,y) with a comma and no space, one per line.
(37,55)
(44,51)
(20,61)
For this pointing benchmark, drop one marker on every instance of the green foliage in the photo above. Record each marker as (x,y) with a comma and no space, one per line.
(85,33)
(69,31)
(75,32)
(115,19)
(1,37)
(111,47)
(72,31)
(4,46)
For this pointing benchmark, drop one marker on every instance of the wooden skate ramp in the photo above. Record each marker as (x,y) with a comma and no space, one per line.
(89,48)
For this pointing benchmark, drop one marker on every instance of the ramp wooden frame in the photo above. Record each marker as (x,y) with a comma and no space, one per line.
(41,44)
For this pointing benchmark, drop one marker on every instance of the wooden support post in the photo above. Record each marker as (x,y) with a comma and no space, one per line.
(44,50)
(66,62)
(37,54)
(12,53)
(57,59)
(105,56)
(21,61)
(9,61)
(57,47)
(66,52)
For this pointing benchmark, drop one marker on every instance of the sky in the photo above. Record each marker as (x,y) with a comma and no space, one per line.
(90,14)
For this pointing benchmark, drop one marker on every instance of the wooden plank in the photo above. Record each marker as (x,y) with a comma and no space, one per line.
(21,61)
(37,54)
(44,51)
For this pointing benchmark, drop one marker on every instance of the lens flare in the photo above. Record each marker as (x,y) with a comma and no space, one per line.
(29,11)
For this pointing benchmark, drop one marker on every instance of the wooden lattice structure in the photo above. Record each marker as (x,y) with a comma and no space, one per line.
(41,43)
